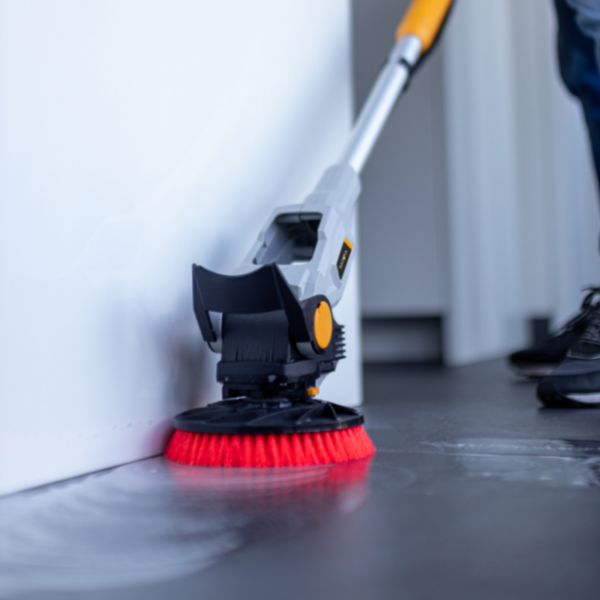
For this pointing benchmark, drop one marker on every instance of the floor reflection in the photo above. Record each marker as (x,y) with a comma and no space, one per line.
(559,463)
(156,520)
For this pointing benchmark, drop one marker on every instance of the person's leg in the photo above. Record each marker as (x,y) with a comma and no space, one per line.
(578,44)
(579,60)
(576,381)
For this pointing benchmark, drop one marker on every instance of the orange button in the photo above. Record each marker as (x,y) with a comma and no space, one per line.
(323,324)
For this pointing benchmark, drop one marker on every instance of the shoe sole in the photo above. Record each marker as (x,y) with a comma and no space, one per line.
(555,399)
(532,371)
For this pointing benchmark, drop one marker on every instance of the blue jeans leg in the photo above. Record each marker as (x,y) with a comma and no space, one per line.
(579,70)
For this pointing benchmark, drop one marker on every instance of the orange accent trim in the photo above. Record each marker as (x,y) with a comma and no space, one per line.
(323,324)
(424,19)
(349,243)
(312,391)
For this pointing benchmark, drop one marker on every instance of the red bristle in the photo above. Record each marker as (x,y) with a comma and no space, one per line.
(248,449)
(319,444)
(340,444)
(260,453)
(232,450)
(285,450)
(309,451)
(298,449)
(197,446)
(273,450)
(329,443)
(223,443)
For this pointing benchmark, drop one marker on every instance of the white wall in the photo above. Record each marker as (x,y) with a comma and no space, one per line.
(138,137)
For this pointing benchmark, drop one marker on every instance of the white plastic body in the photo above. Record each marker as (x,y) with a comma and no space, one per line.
(334,199)
(336,194)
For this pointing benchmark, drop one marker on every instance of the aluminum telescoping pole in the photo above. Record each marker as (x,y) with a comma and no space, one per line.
(387,89)
(415,35)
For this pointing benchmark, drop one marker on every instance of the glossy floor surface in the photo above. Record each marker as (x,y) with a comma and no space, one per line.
(475,492)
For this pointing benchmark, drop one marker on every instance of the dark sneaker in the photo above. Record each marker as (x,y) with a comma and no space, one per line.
(540,360)
(575,383)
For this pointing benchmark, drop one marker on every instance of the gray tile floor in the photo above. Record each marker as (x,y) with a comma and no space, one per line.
(475,492)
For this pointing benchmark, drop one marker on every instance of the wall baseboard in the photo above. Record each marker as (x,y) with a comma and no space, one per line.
(402,340)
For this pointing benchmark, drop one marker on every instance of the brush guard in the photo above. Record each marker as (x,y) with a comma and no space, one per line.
(267,337)
(278,416)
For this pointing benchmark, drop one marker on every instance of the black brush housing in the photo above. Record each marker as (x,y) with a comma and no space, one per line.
(271,361)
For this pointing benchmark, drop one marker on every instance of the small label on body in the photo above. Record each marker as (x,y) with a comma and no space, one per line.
(344,257)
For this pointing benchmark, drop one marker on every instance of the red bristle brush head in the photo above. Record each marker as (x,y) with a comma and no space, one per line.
(275,432)
(269,450)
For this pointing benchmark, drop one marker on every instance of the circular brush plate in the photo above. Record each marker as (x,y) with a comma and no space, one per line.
(279,415)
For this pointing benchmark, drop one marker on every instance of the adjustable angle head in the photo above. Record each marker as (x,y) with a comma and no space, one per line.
(272,345)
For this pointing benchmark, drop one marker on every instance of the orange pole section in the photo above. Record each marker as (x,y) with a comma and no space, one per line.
(424,19)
